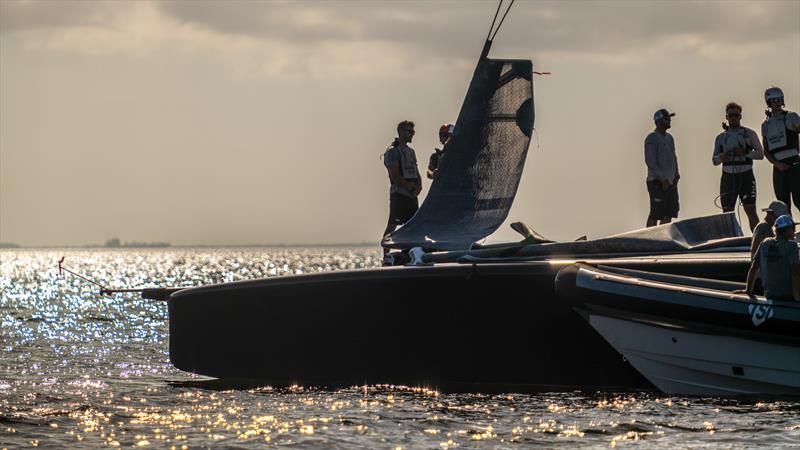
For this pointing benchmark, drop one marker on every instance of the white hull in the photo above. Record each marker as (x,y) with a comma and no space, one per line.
(678,361)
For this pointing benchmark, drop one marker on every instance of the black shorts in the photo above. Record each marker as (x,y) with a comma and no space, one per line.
(401,208)
(662,203)
(737,185)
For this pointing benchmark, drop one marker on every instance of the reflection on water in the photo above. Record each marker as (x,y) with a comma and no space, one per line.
(78,369)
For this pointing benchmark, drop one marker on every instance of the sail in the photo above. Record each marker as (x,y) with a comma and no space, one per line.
(480,170)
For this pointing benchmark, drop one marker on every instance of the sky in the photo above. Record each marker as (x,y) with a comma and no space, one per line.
(255,122)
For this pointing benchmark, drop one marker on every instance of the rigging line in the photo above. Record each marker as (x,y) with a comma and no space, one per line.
(502,19)
(106,291)
(493,20)
(61,269)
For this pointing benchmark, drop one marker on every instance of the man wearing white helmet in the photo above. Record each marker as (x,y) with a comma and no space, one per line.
(662,170)
(736,148)
(780,133)
(778,262)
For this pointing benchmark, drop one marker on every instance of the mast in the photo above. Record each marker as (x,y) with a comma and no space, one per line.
(490,36)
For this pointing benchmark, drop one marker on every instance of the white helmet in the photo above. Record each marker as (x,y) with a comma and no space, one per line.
(773,93)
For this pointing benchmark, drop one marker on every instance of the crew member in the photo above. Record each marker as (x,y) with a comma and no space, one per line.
(764,229)
(662,170)
(736,148)
(778,261)
(780,134)
(445,133)
(405,181)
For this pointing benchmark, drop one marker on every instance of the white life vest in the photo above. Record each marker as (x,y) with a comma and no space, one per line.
(782,142)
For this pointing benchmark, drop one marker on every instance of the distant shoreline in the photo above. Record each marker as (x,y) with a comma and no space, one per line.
(11,246)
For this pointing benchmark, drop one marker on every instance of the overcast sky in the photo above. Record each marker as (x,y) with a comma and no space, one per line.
(263,122)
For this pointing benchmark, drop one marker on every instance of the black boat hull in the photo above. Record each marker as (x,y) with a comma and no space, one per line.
(450,327)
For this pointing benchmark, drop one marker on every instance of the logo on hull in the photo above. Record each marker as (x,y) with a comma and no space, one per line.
(760,313)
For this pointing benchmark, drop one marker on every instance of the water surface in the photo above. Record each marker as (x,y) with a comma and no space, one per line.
(82,370)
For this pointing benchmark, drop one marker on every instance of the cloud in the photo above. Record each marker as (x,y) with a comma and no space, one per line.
(20,15)
(273,38)
(444,27)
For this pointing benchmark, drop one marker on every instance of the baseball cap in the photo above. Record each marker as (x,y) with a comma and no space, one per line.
(662,114)
(784,221)
(778,208)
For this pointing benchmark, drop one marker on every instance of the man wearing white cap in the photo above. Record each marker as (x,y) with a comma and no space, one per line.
(764,229)
(780,134)
(778,261)
(662,171)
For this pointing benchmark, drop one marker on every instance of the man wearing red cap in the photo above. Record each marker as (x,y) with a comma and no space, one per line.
(445,133)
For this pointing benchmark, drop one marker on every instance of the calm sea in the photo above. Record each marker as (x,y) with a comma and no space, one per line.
(81,370)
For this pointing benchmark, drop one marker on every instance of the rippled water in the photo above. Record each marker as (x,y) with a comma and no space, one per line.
(81,370)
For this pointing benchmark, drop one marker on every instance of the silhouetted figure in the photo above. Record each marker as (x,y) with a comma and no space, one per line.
(445,133)
(780,134)
(662,171)
(778,262)
(736,148)
(764,229)
(405,180)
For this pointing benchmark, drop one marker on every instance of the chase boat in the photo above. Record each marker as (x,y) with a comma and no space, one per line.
(690,335)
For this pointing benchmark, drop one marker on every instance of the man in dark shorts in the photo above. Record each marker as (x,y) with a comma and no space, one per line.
(778,261)
(445,132)
(736,148)
(405,181)
(662,171)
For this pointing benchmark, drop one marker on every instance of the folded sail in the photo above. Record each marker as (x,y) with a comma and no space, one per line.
(686,236)
(480,170)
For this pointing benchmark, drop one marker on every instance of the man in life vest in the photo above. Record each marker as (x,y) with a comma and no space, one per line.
(780,134)
(736,148)
(778,262)
(662,170)
(405,180)
(445,133)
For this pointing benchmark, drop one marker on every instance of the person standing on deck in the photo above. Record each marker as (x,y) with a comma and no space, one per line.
(764,229)
(445,132)
(780,134)
(405,181)
(662,171)
(778,261)
(736,148)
